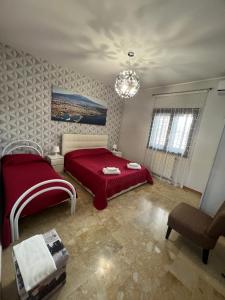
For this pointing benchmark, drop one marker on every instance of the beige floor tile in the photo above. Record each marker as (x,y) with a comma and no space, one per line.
(121,253)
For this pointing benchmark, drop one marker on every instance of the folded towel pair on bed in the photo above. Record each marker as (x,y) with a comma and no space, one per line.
(116,171)
(111,171)
(134,166)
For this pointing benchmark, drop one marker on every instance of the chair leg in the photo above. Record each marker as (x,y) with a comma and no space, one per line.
(169,229)
(205,256)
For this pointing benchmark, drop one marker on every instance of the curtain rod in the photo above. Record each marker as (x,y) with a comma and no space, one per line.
(183,92)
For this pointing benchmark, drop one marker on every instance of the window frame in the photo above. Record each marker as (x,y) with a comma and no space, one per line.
(174,112)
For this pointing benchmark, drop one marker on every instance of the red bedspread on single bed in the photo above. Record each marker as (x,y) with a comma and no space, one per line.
(86,165)
(20,172)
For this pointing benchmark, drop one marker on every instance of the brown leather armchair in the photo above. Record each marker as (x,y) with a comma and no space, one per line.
(197,226)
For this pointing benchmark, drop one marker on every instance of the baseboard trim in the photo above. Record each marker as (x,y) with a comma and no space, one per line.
(192,190)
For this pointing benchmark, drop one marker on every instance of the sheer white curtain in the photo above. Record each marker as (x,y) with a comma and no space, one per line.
(174,127)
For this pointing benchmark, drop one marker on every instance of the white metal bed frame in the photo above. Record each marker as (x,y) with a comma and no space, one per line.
(9,148)
(17,208)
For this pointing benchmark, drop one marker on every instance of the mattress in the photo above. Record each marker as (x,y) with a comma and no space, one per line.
(86,166)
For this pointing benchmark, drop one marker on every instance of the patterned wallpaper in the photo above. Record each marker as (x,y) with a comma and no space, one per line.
(25,100)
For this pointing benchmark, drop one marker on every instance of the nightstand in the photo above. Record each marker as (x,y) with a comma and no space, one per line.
(117,153)
(57,161)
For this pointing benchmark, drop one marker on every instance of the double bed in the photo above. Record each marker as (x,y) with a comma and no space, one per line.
(30,185)
(84,158)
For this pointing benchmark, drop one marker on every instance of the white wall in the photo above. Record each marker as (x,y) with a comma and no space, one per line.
(136,123)
(207,143)
(214,194)
(135,126)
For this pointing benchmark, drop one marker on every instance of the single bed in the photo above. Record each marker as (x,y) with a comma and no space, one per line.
(86,156)
(30,185)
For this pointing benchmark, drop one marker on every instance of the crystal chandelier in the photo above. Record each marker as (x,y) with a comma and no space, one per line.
(127,82)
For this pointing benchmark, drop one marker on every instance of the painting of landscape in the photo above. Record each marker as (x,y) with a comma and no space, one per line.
(67,106)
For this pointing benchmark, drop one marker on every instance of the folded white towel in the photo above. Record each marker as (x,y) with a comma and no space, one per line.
(111,168)
(35,261)
(111,172)
(134,166)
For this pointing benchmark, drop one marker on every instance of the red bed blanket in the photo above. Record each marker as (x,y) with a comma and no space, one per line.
(19,173)
(86,165)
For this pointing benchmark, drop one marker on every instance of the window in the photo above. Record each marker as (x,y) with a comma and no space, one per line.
(171,130)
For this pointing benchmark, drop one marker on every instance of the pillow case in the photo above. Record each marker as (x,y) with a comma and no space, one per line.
(85,152)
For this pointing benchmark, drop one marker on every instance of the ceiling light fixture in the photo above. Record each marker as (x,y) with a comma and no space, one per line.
(127,82)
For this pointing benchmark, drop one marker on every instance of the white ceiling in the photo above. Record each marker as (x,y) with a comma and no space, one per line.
(174,41)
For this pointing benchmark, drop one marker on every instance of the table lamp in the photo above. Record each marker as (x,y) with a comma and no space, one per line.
(56,150)
(114,147)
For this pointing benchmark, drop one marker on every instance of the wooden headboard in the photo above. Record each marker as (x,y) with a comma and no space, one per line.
(72,141)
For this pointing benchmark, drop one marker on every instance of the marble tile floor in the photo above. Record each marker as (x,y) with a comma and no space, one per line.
(121,253)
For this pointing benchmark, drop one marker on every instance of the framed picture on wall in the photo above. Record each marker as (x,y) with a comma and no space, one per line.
(68,106)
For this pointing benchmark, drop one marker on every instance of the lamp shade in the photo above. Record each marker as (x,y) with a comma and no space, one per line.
(127,84)
(56,149)
(114,147)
